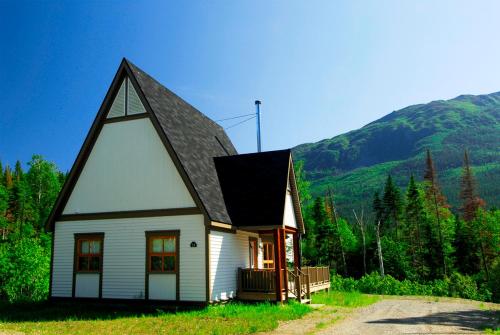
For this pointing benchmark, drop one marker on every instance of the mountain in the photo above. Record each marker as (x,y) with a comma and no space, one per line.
(356,164)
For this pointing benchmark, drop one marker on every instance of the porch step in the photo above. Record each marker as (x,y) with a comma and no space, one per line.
(305,301)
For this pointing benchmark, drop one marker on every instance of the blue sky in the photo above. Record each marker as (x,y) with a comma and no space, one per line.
(321,68)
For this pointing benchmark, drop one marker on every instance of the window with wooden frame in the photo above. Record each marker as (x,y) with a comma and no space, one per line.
(163,253)
(254,253)
(89,253)
(268,255)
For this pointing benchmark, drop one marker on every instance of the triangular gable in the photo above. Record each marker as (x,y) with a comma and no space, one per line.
(139,108)
(126,102)
(293,193)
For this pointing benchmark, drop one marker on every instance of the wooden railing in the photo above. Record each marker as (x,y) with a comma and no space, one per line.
(298,284)
(318,275)
(301,282)
(253,280)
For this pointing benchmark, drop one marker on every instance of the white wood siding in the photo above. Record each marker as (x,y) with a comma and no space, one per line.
(125,255)
(162,286)
(128,169)
(87,285)
(228,252)
(289,216)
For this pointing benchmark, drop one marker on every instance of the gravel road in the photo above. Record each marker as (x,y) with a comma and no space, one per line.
(399,315)
(413,316)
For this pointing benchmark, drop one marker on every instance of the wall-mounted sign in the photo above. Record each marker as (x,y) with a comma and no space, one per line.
(193,244)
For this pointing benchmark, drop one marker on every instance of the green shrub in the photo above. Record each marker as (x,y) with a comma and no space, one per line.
(456,285)
(24,269)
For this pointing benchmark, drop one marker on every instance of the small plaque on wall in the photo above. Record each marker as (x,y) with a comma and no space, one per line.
(193,244)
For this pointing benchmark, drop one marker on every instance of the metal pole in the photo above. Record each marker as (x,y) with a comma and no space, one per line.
(257,107)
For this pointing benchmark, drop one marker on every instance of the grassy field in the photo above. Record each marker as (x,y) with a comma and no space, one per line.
(344,299)
(232,318)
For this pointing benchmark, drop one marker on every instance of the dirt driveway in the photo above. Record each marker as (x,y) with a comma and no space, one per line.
(400,316)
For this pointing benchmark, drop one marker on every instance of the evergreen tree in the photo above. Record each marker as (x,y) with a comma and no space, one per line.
(470,201)
(466,253)
(4,197)
(324,233)
(18,171)
(392,206)
(414,217)
(2,180)
(9,182)
(437,201)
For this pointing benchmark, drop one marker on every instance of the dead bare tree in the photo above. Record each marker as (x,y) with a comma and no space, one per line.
(379,248)
(361,224)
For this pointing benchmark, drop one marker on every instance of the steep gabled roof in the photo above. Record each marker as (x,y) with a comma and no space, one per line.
(191,138)
(255,186)
(243,190)
(194,138)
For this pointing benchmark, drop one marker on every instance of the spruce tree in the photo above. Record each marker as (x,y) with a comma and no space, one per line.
(324,234)
(9,182)
(18,171)
(414,217)
(470,201)
(1,174)
(392,205)
(437,201)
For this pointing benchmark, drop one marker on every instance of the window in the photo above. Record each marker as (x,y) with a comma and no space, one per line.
(268,257)
(253,253)
(89,253)
(162,253)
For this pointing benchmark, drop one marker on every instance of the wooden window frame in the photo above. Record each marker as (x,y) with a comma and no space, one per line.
(79,239)
(270,252)
(163,253)
(163,235)
(253,241)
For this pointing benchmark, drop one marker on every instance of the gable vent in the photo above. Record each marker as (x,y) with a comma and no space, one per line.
(134,104)
(118,106)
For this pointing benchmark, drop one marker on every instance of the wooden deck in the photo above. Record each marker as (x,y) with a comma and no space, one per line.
(260,285)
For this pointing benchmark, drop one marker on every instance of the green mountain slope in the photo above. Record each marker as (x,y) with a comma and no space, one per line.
(355,164)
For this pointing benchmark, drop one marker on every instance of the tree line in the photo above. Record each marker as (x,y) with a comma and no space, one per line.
(409,235)
(26,199)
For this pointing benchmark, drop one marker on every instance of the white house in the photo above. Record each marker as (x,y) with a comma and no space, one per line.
(158,206)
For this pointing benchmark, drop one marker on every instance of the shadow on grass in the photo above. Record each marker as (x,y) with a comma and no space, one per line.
(467,320)
(66,311)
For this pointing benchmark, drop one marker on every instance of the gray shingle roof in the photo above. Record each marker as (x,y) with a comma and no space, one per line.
(195,139)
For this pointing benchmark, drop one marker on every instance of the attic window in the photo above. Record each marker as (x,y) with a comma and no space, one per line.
(126,101)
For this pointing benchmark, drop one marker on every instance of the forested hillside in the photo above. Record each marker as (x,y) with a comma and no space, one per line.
(356,164)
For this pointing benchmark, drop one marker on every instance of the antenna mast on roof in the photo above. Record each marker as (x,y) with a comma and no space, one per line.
(257,107)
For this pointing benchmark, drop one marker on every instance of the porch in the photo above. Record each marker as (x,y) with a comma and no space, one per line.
(296,284)
(281,277)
